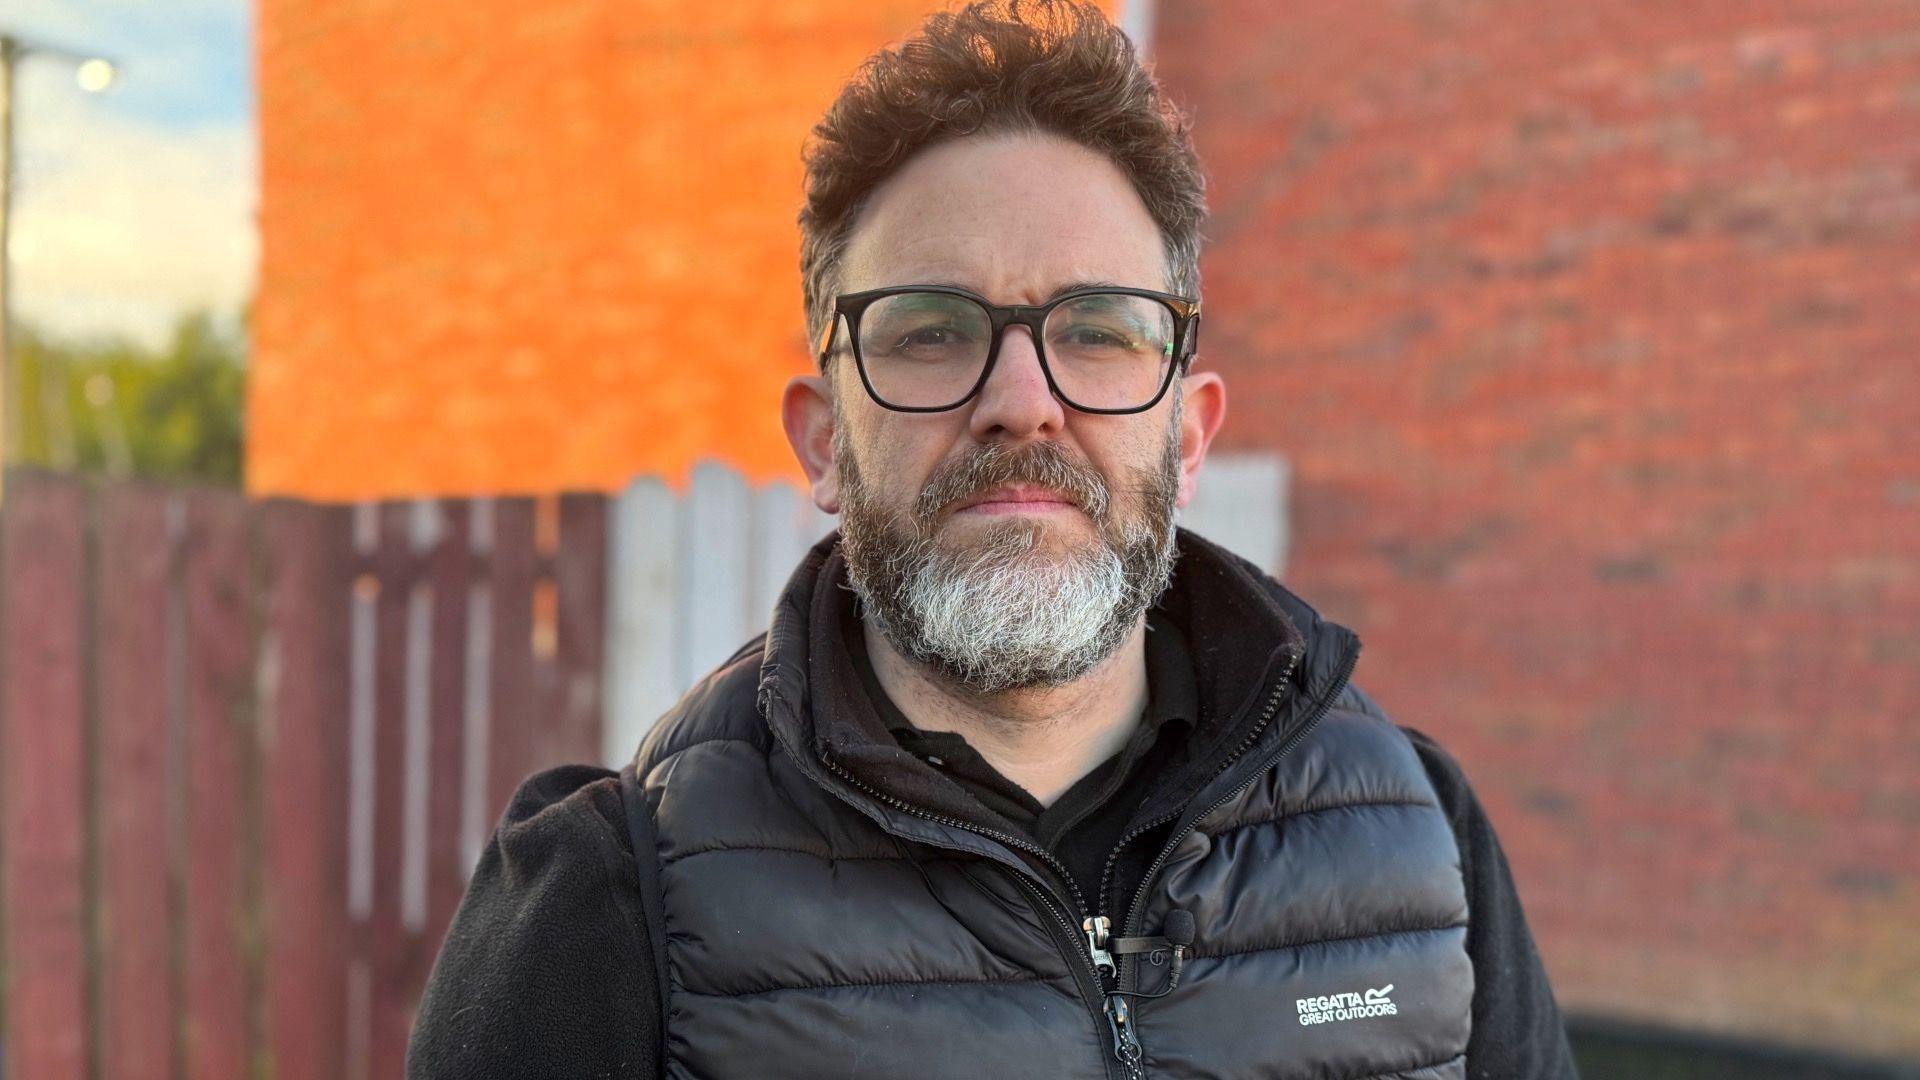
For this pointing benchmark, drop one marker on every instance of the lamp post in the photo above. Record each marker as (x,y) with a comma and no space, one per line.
(94,74)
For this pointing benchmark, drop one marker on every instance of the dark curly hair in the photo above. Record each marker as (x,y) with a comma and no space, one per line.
(1056,66)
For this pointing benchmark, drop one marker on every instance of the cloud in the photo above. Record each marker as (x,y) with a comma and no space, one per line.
(120,225)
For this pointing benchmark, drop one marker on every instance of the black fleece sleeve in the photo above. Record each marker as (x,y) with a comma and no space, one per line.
(1518,1033)
(546,971)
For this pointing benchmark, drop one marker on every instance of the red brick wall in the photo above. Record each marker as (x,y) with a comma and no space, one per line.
(1593,332)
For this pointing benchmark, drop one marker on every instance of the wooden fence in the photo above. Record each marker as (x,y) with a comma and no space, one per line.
(250,750)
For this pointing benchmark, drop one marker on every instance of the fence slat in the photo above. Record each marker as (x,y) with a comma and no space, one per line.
(580,578)
(137,680)
(640,675)
(449,571)
(786,525)
(477,694)
(1241,504)
(510,731)
(303,696)
(383,942)
(43,796)
(220,978)
(716,564)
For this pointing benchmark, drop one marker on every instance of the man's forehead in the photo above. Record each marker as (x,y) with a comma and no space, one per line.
(1008,272)
(1031,214)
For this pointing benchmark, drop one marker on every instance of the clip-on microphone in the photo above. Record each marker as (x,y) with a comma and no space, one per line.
(1176,934)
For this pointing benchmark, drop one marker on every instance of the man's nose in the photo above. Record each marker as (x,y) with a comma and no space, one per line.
(1016,402)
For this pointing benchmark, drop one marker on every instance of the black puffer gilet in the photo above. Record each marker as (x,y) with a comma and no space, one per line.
(809,924)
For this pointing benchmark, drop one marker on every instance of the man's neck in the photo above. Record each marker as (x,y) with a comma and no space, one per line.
(1042,739)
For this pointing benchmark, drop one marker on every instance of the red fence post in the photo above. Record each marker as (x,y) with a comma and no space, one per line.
(43,797)
(221,977)
(510,576)
(580,575)
(137,782)
(382,942)
(308,584)
(450,572)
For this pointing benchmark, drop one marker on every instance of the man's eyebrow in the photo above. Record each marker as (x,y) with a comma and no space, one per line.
(1067,288)
(1072,285)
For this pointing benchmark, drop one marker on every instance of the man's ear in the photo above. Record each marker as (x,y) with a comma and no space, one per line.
(1203,409)
(806,410)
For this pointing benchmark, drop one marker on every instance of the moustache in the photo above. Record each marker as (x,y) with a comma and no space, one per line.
(1047,464)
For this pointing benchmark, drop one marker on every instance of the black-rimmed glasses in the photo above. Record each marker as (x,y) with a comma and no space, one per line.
(930,348)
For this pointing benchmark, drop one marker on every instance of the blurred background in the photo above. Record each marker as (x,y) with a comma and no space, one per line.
(375,375)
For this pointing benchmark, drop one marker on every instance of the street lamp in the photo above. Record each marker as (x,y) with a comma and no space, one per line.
(93,74)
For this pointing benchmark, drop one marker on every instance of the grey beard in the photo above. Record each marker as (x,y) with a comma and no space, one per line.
(1004,614)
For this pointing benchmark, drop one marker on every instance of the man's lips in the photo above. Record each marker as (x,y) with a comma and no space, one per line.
(1015,500)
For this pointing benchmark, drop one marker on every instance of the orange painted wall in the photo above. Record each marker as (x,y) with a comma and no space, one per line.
(522,247)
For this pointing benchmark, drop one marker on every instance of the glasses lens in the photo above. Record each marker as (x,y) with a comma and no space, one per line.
(1110,350)
(924,350)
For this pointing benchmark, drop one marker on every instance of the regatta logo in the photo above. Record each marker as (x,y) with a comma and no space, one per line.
(1333,1008)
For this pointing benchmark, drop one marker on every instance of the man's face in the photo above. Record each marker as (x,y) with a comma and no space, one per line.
(1013,541)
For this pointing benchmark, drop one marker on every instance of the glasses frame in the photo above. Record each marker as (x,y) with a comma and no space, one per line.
(850,306)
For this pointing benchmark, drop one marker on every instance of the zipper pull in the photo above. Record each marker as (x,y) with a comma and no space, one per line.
(1096,928)
(1126,1046)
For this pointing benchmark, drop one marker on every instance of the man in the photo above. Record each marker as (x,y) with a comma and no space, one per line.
(1022,780)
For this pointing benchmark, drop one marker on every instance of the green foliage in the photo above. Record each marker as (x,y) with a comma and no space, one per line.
(120,409)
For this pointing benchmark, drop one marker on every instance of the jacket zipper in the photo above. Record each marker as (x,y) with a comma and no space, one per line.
(1126,1042)
(1131,925)
(1092,986)
(1126,1045)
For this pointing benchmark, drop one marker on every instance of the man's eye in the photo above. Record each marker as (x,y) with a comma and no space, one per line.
(930,337)
(1095,337)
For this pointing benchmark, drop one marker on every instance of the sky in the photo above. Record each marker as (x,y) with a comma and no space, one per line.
(137,204)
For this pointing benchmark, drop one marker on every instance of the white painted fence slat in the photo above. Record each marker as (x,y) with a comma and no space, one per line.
(1240,503)
(642,678)
(716,568)
(778,513)
(476,814)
